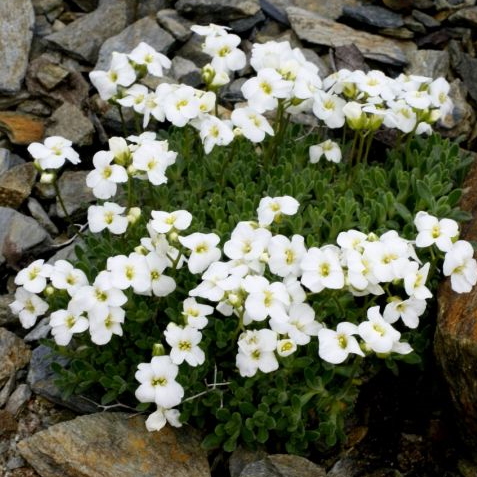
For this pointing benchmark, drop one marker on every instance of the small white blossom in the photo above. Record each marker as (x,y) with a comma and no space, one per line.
(184,343)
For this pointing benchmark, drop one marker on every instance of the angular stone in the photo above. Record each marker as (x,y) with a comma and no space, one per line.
(19,235)
(146,30)
(34,107)
(6,390)
(87,5)
(241,457)
(276,9)
(373,15)
(40,330)
(185,72)
(218,10)
(16,185)
(14,354)
(431,63)
(283,464)
(74,191)
(192,50)
(400,33)
(18,399)
(114,444)
(176,25)
(44,6)
(321,31)
(425,19)
(331,10)
(21,128)
(17,19)
(464,16)
(51,75)
(151,7)
(70,122)
(84,37)
(6,315)
(39,214)
(465,66)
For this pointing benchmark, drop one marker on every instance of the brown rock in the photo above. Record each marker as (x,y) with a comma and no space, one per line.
(21,128)
(114,444)
(322,31)
(16,185)
(14,354)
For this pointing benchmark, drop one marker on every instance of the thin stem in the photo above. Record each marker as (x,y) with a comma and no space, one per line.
(63,207)
(123,121)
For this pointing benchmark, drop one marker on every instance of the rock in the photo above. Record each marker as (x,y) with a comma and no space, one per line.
(21,128)
(18,399)
(465,66)
(20,236)
(39,214)
(233,91)
(426,20)
(400,33)
(6,315)
(185,72)
(70,122)
(282,464)
(173,23)
(243,25)
(373,15)
(51,75)
(41,330)
(344,467)
(331,10)
(34,107)
(414,25)
(321,31)
(84,37)
(455,341)
(16,185)
(218,10)
(6,390)
(453,4)
(464,16)
(192,50)
(74,192)
(349,57)
(45,6)
(17,19)
(41,380)
(146,30)
(152,7)
(398,5)
(8,423)
(14,354)
(276,9)
(241,457)
(431,63)
(114,444)
(87,5)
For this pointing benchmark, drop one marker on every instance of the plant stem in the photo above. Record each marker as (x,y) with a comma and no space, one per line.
(123,122)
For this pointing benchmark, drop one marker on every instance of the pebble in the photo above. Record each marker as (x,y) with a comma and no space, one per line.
(14,354)
(18,399)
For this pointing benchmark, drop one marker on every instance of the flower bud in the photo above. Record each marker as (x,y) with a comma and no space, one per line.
(158,349)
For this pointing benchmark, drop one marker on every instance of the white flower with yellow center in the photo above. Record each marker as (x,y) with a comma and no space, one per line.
(336,346)
(184,343)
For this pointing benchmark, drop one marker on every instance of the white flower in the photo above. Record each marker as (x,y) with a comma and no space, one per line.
(66,277)
(439,93)
(33,278)
(107,216)
(335,346)
(214,132)
(247,242)
(158,419)
(286,347)
(460,265)
(328,148)
(184,343)
(131,271)
(64,324)
(286,255)
(351,240)
(224,52)
(135,97)
(158,383)
(196,314)
(415,281)
(400,115)
(203,250)
(161,285)
(329,108)
(181,105)
(154,158)
(434,231)
(105,322)
(28,307)
(252,125)
(256,352)
(165,222)
(379,335)
(408,310)
(53,153)
(322,269)
(105,177)
(154,61)
(210,30)
(212,286)
(271,208)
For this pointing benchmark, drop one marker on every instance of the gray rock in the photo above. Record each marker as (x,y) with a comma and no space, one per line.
(39,214)
(453,4)
(86,5)
(233,91)
(114,444)
(373,15)
(84,37)
(176,25)
(70,122)
(75,193)
(192,50)
(218,10)
(17,19)
(322,31)
(146,30)
(399,33)
(245,24)
(344,467)
(41,330)
(276,9)
(279,465)
(331,10)
(186,72)
(41,380)
(431,63)
(425,19)
(20,235)
(414,25)
(464,16)
(241,457)
(6,315)
(6,390)
(16,185)
(14,354)
(465,66)
(151,7)
(323,68)
(8,160)
(51,75)
(35,107)
(44,6)
(18,399)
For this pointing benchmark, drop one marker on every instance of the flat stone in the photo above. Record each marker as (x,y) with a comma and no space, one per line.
(70,122)
(19,236)
(465,66)
(14,354)
(18,399)
(400,33)
(146,30)
(243,25)
(373,15)
(322,31)
(192,50)
(331,10)
(431,63)
(464,16)
(16,185)
(283,464)
(6,389)
(218,10)
(186,72)
(152,7)
(44,6)
(6,315)
(84,37)
(40,330)
(41,380)
(17,19)
(74,191)
(425,19)
(51,75)
(349,57)
(21,128)
(241,457)
(40,215)
(34,107)
(114,444)
(87,5)
(173,23)
(276,9)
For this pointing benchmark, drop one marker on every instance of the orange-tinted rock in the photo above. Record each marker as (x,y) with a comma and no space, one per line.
(21,128)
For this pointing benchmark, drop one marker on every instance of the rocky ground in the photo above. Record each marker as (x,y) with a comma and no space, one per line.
(402,428)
